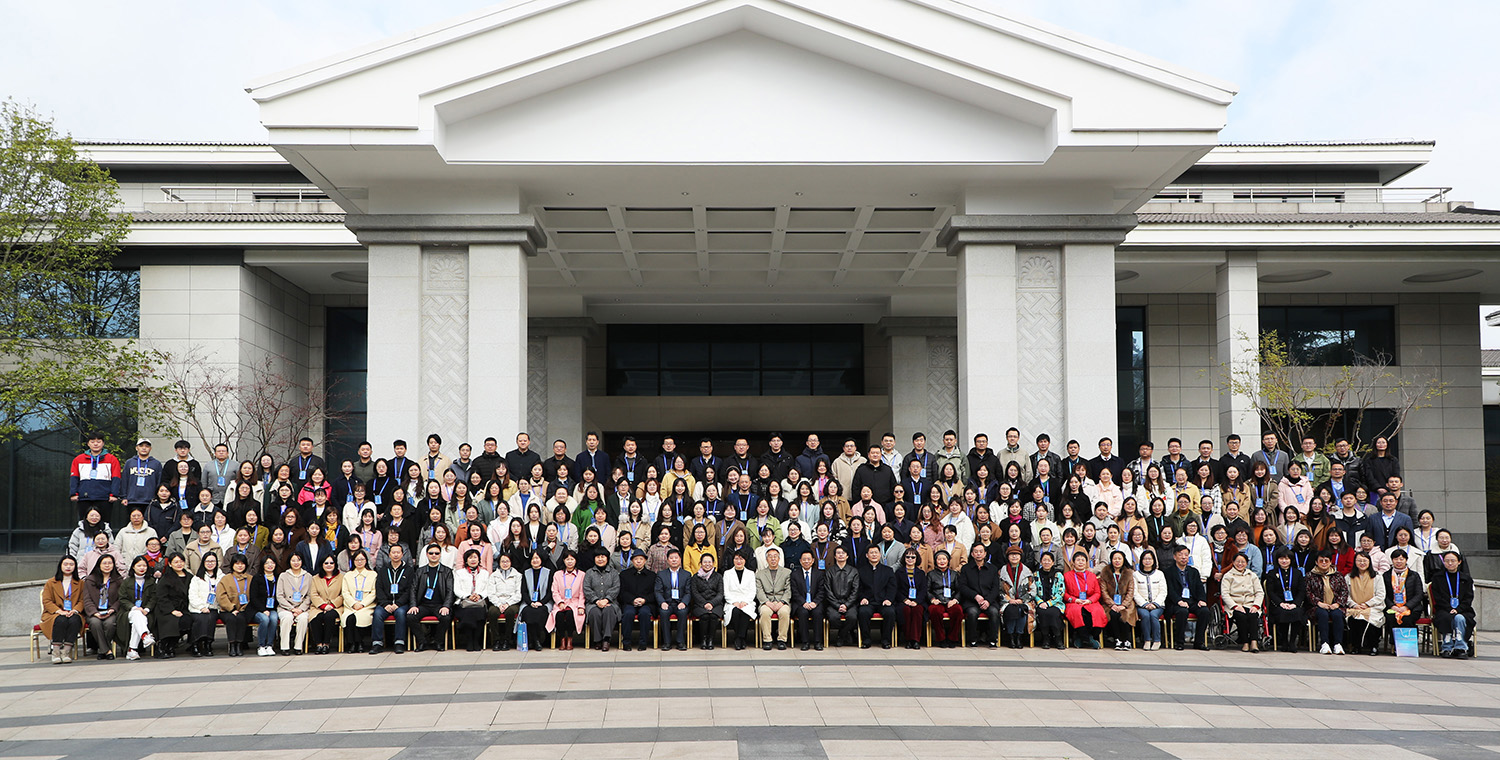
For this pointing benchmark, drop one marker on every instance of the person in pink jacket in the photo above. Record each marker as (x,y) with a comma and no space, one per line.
(567,597)
(1294,490)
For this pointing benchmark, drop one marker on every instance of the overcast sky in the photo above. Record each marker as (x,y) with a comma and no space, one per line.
(1325,70)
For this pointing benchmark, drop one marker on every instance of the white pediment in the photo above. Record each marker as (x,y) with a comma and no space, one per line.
(743,98)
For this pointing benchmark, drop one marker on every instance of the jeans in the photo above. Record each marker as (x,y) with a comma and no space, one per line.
(1150,623)
(377,633)
(1459,639)
(265,628)
(1330,624)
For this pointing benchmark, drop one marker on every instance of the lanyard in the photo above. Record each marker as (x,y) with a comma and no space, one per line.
(238,590)
(432,579)
(270,589)
(1082,581)
(303,462)
(140,590)
(1452,580)
(394,577)
(1286,579)
(948,579)
(104,592)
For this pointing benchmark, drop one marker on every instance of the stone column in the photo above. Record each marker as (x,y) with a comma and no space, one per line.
(395,341)
(448,323)
(1036,323)
(565,345)
(1238,307)
(1092,405)
(924,381)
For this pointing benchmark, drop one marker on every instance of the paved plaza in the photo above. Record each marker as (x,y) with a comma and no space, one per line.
(846,703)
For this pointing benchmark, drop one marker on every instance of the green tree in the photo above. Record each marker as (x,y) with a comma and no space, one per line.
(67,354)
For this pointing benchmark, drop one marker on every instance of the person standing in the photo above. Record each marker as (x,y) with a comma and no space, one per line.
(141,477)
(94,482)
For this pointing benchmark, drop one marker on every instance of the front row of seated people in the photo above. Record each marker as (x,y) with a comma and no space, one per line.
(156,601)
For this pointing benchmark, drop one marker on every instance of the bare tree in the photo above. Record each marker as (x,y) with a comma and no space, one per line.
(256,409)
(1294,400)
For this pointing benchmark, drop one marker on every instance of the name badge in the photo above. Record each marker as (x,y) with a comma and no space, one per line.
(1260,503)
(821,565)
(1400,598)
(675,594)
(244,599)
(427,594)
(302,474)
(270,603)
(296,597)
(924,473)
(431,474)
(359,596)
(1453,603)
(630,476)
(911,593)
(1117,598)
(349,498)
(1287,594)
(395,589)
(67,605)
(221,481)
(140,481)
(744,515)
(1301,498)
(211,599)
(1273,469)
(568,593)
(378,500)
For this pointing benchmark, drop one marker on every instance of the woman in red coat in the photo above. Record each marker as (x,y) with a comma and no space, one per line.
(1081,593)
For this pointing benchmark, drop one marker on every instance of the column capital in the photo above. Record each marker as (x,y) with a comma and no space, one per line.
(921,327)
(449,229)
(1039,230)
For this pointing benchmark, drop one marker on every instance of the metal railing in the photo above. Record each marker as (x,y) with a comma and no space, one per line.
(1309,194)
(242,194)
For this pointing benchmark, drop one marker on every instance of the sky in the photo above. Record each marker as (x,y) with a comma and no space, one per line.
(1305,70)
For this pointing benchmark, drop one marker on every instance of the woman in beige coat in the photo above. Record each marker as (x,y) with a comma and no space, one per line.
(1244,598)
(359,603)
(327,603)
(1365,613)
(293,601)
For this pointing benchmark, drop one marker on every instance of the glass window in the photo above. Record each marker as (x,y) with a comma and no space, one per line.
(735,360)
(346,380)
(1130,380)
(1333,336)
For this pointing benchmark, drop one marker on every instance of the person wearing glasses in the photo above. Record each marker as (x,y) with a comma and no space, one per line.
(432,597)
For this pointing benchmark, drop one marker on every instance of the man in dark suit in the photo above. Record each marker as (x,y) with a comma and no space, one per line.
(979,592)
(877,593)
(673,595)
(875,474)
(1385,523)
(807,602)
(1186,595)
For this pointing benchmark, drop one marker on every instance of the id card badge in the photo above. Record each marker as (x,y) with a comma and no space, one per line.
(140,481)
(924,473)
(1286,594)
(911,593)
(395,589)
(568,593)
(211,598)
(630,476)
(1117,598)
(302,474)
(947,592)
(359,596)
(270,603)
(822,564)
(378,499)
(1273,469)
(221,481)
(296,597)
(427,594)
(744,515)
(349,498)
(1400,598)
(676,594)
(244,600)
(431,474)
(1260,503)
(1301,498)
(68,605)
(1453,603)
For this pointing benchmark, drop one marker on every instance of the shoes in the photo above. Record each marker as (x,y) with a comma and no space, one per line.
(781,645)
(1338,649)
(682,647)
(625,646)
(817,647)
(885,645)
(400,648)
(766,646)
(806,646)
(132,655)
(376,648)
(604,645)
(56,655)
(208,648)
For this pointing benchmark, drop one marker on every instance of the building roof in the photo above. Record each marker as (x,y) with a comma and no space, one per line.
(147,217)
(1489,358)
(1407,217)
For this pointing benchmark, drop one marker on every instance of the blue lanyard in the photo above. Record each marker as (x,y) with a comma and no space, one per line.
(1452,580)
(1286,579)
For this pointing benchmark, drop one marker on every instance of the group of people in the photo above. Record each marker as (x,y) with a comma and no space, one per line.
(942,547)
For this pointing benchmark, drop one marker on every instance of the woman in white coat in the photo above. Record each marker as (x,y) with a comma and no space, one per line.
(739,599)
(1150,599)
(503,591)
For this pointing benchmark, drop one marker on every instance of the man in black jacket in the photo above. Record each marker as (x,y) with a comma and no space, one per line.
(875,474)
(981,454)
(1186,595)
(841,596)
(392,598)
(637,591)
(487,461)
(807,602)
(520,460)
(877,593)
(979,590)
(431,595)
(778,459)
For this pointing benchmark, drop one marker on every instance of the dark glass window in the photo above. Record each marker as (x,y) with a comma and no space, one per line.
(347,380)
(1333,336)
(1130,381)
(735,360)
(1492,470)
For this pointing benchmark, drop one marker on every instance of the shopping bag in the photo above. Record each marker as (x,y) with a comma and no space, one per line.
(523,642)
(1406,642)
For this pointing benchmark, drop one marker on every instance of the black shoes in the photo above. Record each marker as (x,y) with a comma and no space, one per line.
(376,648)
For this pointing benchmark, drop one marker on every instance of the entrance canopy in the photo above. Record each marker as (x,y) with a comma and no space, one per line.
(672,103)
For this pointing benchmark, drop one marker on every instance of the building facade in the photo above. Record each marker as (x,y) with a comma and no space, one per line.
(738,216)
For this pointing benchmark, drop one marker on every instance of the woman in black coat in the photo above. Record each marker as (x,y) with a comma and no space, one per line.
(708,601)
(1286,600)
(170,615)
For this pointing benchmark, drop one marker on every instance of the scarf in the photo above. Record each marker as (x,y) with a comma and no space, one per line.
(1322,576)
(1361,588)
(703,572)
